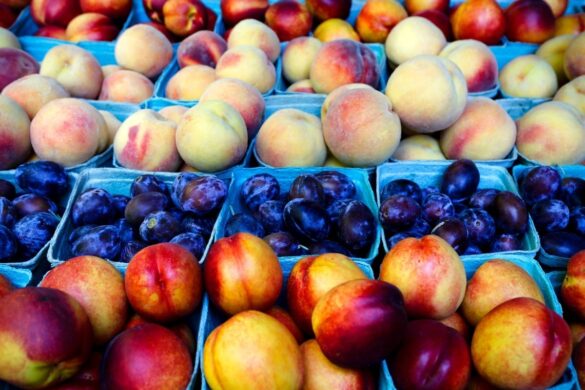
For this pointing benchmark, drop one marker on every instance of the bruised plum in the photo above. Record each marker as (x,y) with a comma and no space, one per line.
(8,244)
(436,207)
(510,213)
(336,185)
(44,178)
(328,246)
(270,216)
(563,244)
(404,187)
(259,189)
(200,225)
(8,213)
(306,220)
(577,221)
(357,226)
(148,183)
(550,215)
(142,205)
(204,195)
(179,185)
(101,241)
(399,212)
(505,243)
(94,206)
(7,189)
(159,226)
(453,231)
(572,191)
(307,187)
(119,203)
(130,249)
(241,222)
(481,227)
(26,204)
(283,244)
(34,231)
(539,184)
(193,242)
(484,199)
(460,180)
(79,232)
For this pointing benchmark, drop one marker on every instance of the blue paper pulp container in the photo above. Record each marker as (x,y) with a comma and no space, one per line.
(19,278)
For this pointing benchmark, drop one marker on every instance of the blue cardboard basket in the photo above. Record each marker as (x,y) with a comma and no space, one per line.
(32,263)
(19,278)
(519,172)
(431,175)
(211,318)
(115,181)
(285,177)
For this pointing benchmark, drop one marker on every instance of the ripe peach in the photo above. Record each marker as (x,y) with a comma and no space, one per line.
(190,82)
(303,86)
(476,61)
(126,86)
(14,133)
(5,286)
(234,11)
(414,36)
(570,24)
(289,19)
(52,32)
(419,147)
(87,378)
(285,319)
(251,32)
(112,123)
(91,27)
(573,288)
(577,332)
(143,49)
(109,69)
(329,9)
(530,21)
(115,9)
(483,20)
(32,92)
(558,7)
(579,362)
(528,76)
(7,16)
(298,56)
(439,19)
(249,64)
(201,48)
(574,57)
(8,39)
(457,322)
(339,91)
(54,12)
(573,93)
(377,18)
(415,6)
(173,113)
(553,51)
(184,17)
(15,64)
(333,29)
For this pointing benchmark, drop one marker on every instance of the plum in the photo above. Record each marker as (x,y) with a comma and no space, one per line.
(270,216)
(26,204)
(336,186)
(550,215)
(200,225)
(8,213)
(93,206)
(179,185)
(307,187)
(428,191)
(357,226)
(484,199)
(125,230)
(454,231)
(78,232)
(510,213)
(472,249)
(563,244)
(506,242)
(539,184)
(142,205)
(460,180)
(203,196)
(101,241)
(34,231)
(436,207)
(14,64)
(572,191)
(130,249)
(404,187)
(7,189)
(159,226)
(119,203)
(193,242)
(328,246)
(148,183)
(241,222)
(420,227)
(306,220)
(258,189)
(481,227)
(44,178)
(396,238)
(8,244)
(283,244)
(335,209)
(399,212)
(577,221)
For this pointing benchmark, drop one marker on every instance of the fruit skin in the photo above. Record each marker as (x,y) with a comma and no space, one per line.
(289,19)
(539,337)
(571,93)
(126,86)
(311,278)
(45,336)
(201,48)
(416,6)
(329,9)
(250,64)
(143,49)
(553,51)
(573,289)
(164,282)
(234,11)
(483,20)
(437,267)
(579,361)
(147,357)
(431,356)
(54,12)
(14,64)
(190,82)
(115,9)
(285,319)
(32,92)
(7,16)
(412,37)
(333,29)
(476,61)
(15,133)
(528,76)
(530,21)
(260,274)
(439,19)
(5,286)
(91,27)
(360,322)
(184,17)
(52,32)
(298,56)
(574,63)
(98,287)
(87,378)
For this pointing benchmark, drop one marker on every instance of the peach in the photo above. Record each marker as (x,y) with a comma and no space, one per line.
(76,69)
(331,161)
(285,319)
(528,76)
(311,278)
(54,12)
(430,275)
(343,62)
(88,377)
(54,32)
(457,322)
(298,56)
(15,64)
(558,7)
(5,286)
(115,9)
(573,288)
(303,86)
(201,48)
(91,27)
(289,19)
(476,61)
(98,287)
(530,21)
(574,57)
(355,140)
(329,9)
(242,96)
(163,30)
(7,16)
(252,350)
(143,49)
(8,39)
(112,124)
(439,19)
(415,6)
(249,64)
(577,332)
(553,51)
(146,141)
(291,138)
(483,20)
(173,113)
(521,344)
(470,137)
(184,17)
(579,362)
(126,86)
(14,133)
(253,33)
(234,11)
(573,93)
(377,18)
(190,82)
(339,91)
(419,147)
(32,92)
(67,131)
(570,24)
(109,69)
(333,29)
(212,136)
(414,36)
(424,106)
(180,329)
(321,374)
(258,283)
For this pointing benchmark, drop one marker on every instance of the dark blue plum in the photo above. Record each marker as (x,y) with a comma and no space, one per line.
(44,178)
(306,187)
(179,185)
(159,226)
(7,189)
(357,226)
(130,249)
(270,216)
(484,199)
(436,207)
(540,183)
(505,243)
(78,232)
(454,231)
(101,241)
(283,244)
(472,249)
(328,246)
(142,205)
(8,213)
(148,183)
(125,230)
(399,212)
(550,215)
(93,207)
(577,221)
(259,189)
(306,220)
(193,242)
(336,185)
(241,222)
(26,204)
(481,227)
(428,191)
(404,187)
(563,244)
(460,180)
(119,203)
(199,225)
(335,209)
(510,213)
(8,244)
(34,231)
(203,196)
(396,238)
(178,214)
(420,227)
(572,191)
(459,208)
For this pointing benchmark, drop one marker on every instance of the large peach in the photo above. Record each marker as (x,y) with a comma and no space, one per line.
(470,136)
(15,64)
(476,61)
(573,287)
(552,133)
(212,136)
(457,322)
(528,76)
(76,69)
(333,29)
(419,147)
(91,27)
(521,344)
(201,48)
(329,9)
(430,275)
(32,92)
(298,56)
(285,319)
(252,350)
(311,278)
(289,19)
(558,7)
(251,32)
(146,141)
(98,287)
(483,20)
(143,49)
(115,9)
(355,140)
(249,64)
(184,17)
(126,86)
(416,6)
(234,11)
(190,82)
(8,39)
(109,69)
(343,62)
(54,12)
(291,138)
(377,18)
(574,57)
(246,99)
(14,133)
(55,32)
(529,21)
(553,51)
(258,283)
(424,106)
(412,37)
(338,92)
(5,286)
(173,113)
(570,24)
(573,93)
(439,19)
(67,131)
